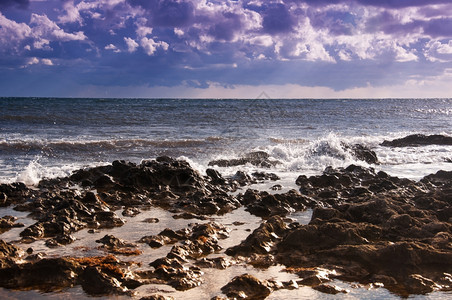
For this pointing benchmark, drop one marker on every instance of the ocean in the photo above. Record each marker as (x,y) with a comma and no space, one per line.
(48,137)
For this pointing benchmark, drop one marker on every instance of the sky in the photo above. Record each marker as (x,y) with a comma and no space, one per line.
(226,49)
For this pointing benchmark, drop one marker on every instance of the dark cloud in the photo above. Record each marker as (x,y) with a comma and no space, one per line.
(401,3)
(277,19)
(387,23)
(226,28)
(337,22)
(173,14)
(439,28)
(378,3)
(23,4)
(167,13)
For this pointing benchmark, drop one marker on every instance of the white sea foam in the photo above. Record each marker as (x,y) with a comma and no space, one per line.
(36,170)
(311,157)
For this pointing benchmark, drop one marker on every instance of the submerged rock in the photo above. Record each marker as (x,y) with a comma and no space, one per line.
(258,158)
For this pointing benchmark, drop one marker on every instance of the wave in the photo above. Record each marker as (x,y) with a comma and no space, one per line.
(313,156)
(296,156)
(47,147)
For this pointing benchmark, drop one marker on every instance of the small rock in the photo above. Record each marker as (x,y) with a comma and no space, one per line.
(329,289)
(246,286)
(151,220)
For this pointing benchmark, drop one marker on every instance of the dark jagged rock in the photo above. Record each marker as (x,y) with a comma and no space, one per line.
(377,226)
(261,176)
(187,216)
(363,153)
(167,236)
(440,178)
(15,193)
(54,274)
(338,185)
(258,158)
(130,212)
(200,241)
(157,297)
(169,183)
(246,287)
(96,282)
(97,275)
(419,140)
(215,176)
(117,246)
(265,205)
(262,240)
(110,241)
(218,262)
(329,289)
(8,222)
(8,254)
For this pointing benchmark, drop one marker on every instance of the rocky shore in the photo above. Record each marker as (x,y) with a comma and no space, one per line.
(367,227)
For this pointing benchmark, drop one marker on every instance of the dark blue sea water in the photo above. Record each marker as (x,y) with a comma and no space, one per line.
(45,137)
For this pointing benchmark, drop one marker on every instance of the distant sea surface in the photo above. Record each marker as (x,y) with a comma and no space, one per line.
(46,137)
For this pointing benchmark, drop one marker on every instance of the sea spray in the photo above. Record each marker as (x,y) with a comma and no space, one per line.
(32,173)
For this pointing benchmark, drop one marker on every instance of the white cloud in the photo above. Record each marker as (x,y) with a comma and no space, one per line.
(47,62)
(142,29)
(112,47)
(445,48)
(437,51)
(45,29)
(32,61)
(72,14)
(131,44)
(11,33)
(179,32)
(150,46)
(261,40)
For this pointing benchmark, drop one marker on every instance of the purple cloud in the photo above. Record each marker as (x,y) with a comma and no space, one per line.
(277,19)
(401,3)
(167,13)
(22,4)
(439,28)
(226,28)
(337,22)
